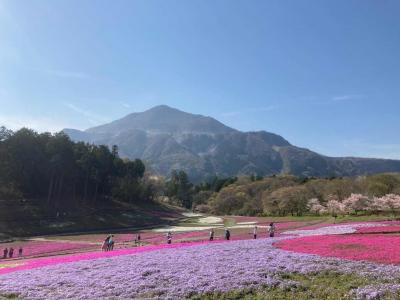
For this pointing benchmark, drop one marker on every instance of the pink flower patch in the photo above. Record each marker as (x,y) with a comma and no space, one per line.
(380,229)
(375,248)
(37,248)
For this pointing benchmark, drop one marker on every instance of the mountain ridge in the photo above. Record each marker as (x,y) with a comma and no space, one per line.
(167,139)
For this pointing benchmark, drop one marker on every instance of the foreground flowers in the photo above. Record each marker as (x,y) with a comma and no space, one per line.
(182,270)
(179,272)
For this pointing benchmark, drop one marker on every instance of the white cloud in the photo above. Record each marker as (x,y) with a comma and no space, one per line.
(126,105)
(347,97)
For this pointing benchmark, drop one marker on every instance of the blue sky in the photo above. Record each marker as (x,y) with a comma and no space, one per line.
(323,74)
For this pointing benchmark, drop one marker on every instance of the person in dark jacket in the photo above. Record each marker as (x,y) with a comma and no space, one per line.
(211,234)
(227,234)
(271,229)
(169,237)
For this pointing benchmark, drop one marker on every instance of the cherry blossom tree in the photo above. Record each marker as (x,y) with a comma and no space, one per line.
(335,207)
(388,202)
(315,207)
(356,203)
(379,204)
(392,201)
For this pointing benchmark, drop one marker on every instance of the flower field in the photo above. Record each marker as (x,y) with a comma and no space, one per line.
(195,269)
(376,248)
(383,229)
(40,248)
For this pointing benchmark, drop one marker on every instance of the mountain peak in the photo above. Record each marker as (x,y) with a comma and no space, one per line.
(164,119)
(161,108)
(169,139)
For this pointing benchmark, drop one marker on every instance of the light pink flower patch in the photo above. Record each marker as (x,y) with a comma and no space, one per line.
(375,248)
(41,262)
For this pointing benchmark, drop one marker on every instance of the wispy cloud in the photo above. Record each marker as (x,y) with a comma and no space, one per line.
(126,105)
(347,97)
(249,110)
(93,118)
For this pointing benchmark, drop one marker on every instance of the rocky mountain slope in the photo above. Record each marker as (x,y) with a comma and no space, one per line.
(167,139)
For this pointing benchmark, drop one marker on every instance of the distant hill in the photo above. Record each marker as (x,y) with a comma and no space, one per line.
(167,139)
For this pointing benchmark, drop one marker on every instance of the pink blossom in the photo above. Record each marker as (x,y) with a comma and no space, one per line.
(375,248)
(335,207)
(381,229)
(356,202)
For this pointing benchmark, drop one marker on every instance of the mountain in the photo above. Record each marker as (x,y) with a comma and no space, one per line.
(169,139)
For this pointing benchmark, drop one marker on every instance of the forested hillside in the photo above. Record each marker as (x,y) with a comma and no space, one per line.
(290,195)
(49,183)
(63,173)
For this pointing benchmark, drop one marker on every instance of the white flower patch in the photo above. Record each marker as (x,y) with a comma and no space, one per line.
(191,215)
(338,229)
(246,223)
(181,228)
(210,220)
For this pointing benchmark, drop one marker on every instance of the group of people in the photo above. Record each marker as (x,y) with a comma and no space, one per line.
(270,230)
(108,244)
(9,253)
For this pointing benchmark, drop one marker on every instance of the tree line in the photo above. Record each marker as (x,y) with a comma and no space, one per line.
(62,173)
(289,195)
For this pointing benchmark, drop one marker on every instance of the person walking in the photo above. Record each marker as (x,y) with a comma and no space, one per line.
(11,252)
(138,238)
(255,232)
(111,243)
(169,237)
(211,234)
(20,250)
(227,234)
(271,229)
(104,247)
(5,253)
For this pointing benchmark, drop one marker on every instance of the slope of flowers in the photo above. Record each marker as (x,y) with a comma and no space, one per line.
(35,248)
(383,229)
(376,248)
(38,263)
(177,273)
(333,229)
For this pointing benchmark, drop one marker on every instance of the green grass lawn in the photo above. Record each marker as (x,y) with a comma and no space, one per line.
(319,286)
(9,297)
